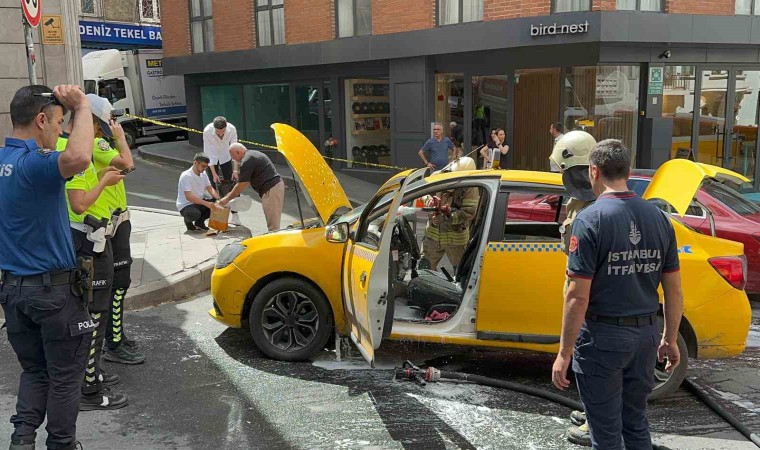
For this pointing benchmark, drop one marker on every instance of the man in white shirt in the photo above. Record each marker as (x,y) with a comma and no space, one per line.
(193,185)
(217,138)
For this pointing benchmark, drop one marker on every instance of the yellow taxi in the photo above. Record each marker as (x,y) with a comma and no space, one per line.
(361,272)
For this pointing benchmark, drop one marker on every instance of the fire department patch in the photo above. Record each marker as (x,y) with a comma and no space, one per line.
(573,244)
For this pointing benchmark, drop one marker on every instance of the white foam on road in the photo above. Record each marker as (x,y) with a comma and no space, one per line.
(753,339)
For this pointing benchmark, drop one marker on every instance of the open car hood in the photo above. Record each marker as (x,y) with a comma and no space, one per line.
(678,181)
(318,182)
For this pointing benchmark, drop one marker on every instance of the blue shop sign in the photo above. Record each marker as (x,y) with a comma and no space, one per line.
(120,33)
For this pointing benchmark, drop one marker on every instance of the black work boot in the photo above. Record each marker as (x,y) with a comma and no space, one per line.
(103,400)
(108,379)
(23,443)
(122,354)
(75,445)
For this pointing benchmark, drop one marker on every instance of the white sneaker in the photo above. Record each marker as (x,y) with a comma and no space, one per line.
(235,220)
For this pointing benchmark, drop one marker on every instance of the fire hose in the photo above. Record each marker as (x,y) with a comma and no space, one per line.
(410,372)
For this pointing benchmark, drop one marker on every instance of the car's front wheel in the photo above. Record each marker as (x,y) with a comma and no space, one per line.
(290,319)
(667,383)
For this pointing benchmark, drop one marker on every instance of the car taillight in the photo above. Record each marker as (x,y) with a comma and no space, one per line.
(732,268)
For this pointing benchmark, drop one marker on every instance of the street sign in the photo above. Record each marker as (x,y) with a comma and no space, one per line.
(52,30)
(32,11)
(655,80)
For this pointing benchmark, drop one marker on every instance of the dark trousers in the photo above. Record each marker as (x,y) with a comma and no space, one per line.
(195,214)
(50,331)
(122,264)
(614,370)
(102,281)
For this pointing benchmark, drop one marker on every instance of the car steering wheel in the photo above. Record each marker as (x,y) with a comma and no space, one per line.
(406,233)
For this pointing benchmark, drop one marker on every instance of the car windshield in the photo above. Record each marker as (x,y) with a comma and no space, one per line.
(354,214)
(731,198)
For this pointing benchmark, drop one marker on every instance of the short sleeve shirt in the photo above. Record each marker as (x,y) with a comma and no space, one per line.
(623,244)
(256,168)
(34,223)
(102,155)
(190,182)
(438,151)
(84,181)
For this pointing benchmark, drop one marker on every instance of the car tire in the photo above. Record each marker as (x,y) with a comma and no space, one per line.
(665,387)
(130,134)
(305,328)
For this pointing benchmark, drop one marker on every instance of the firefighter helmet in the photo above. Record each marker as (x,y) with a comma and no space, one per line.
(459,165)
(572,149)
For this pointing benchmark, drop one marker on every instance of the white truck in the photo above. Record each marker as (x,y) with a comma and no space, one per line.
(134,81)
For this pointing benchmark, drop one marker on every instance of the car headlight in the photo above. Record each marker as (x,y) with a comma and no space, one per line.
(228,254)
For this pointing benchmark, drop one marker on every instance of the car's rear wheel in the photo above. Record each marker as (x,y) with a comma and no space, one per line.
(667,383)
(290,319)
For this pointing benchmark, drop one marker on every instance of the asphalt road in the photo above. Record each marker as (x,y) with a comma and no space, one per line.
(205,386)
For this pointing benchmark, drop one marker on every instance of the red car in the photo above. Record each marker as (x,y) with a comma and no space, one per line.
(716,205)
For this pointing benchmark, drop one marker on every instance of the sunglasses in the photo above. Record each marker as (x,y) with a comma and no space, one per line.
(52,102)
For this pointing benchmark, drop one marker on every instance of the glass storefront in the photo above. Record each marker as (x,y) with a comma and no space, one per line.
(490,100)
(678,104)
(532,143)
(449,105)
(604,101)
(265,104)
(743,153)
(224,101)
(368,122)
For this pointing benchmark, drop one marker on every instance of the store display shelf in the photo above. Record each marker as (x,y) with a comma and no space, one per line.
(360,132)
(368,98)
(369,116)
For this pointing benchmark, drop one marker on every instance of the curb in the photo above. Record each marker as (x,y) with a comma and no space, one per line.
(172,288)
(155,210)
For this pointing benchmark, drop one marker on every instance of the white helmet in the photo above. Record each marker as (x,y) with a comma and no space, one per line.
(458,165)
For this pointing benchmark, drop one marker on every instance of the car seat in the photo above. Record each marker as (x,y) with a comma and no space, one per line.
(431,288)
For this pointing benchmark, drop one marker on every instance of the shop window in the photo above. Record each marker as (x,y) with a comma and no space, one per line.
(224,101)
(459,11)
(150,10)
(368,122)
(604,101)
(562,6)
(640,5)
(489,104)
(449,107)
(201,26)
(678,104)
(265,104)
(748,7)
(270,22)
(741,156)
(354,17)
(537,104)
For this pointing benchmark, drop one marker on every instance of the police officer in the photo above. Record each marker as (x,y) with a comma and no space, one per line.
(448,229)
(89,219)
(45,313)
(621,249)
(119,349)
(570,158)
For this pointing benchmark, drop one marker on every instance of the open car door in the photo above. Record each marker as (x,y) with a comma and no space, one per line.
(678,181)
(366,277)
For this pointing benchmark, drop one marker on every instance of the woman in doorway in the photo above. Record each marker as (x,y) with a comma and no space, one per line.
(486,151)
(493,153)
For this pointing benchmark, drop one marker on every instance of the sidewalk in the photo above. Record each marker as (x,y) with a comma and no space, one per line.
(170,263)
(180,154)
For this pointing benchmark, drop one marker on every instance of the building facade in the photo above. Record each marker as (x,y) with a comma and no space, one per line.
(119,24)
(57,59)
(671,78)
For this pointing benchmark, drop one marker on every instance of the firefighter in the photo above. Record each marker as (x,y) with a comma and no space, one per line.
(448,229)
(570,155)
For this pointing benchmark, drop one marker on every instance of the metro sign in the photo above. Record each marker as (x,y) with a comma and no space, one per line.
(32,11)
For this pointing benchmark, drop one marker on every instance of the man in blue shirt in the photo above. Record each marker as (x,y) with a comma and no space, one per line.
(435,152)
(49,326)
(622,247)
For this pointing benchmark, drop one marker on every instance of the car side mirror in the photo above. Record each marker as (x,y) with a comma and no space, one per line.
(337,233)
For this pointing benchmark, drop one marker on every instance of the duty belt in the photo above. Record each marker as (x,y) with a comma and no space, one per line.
(53,278)
(97,231)
(117,217)
(630,321)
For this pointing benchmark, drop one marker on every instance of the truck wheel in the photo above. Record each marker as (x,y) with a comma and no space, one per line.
(290,320)
(667,383)
(131,135)
(168,137)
